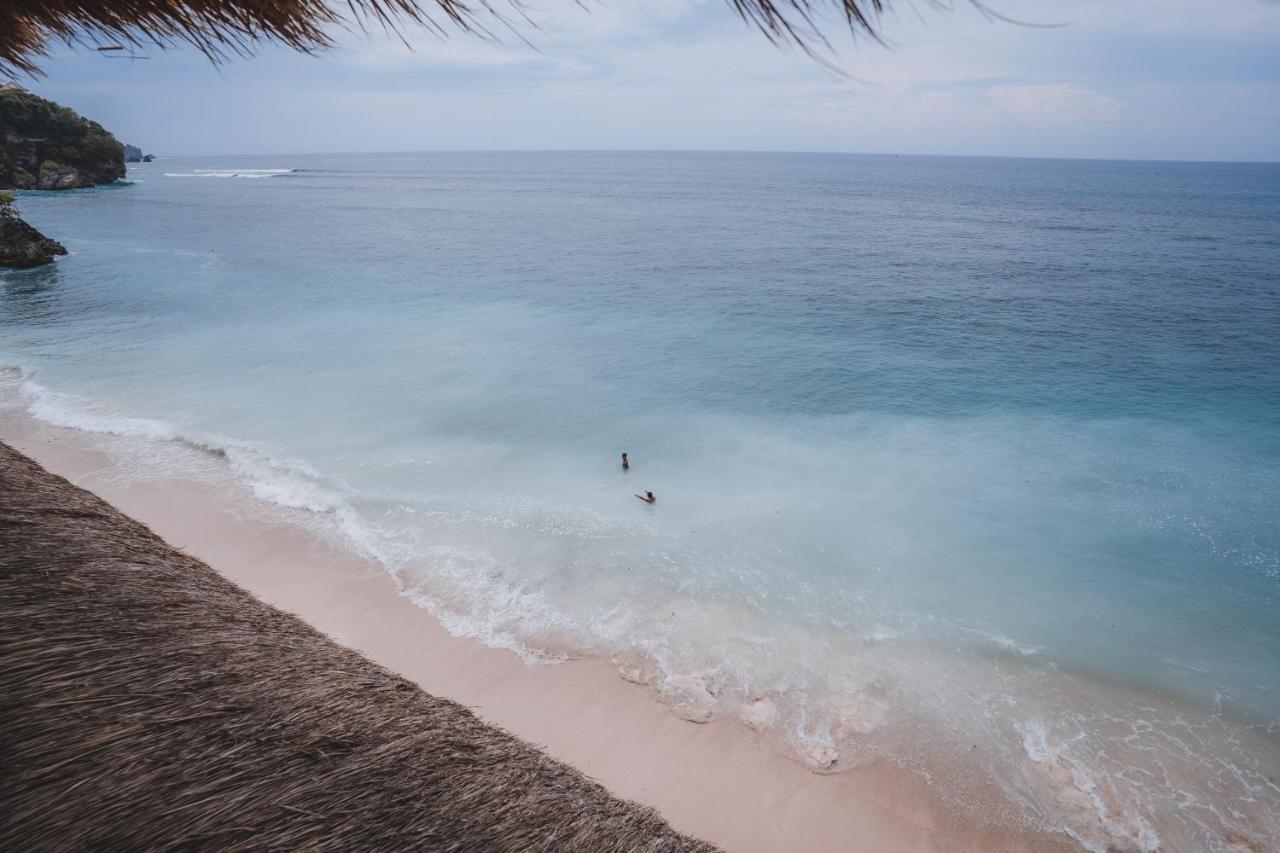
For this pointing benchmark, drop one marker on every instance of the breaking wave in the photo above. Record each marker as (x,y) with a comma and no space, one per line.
(230,173)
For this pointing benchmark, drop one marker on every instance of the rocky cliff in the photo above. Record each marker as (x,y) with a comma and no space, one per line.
(44,146)
(23,246)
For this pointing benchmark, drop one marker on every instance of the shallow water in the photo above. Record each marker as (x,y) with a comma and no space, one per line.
(948,452)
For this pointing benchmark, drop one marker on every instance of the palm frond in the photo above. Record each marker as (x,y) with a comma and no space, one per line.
(222,29)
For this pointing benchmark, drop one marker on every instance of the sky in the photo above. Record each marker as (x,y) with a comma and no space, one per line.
(1128,79)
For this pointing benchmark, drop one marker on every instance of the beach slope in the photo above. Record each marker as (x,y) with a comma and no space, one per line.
(148,703)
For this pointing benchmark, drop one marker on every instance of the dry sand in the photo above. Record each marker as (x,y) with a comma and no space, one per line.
(717,780)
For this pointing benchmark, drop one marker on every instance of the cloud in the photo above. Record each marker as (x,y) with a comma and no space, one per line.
(1054,103)
(684,74)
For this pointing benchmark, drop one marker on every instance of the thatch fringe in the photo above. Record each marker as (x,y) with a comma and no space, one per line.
(233,27)
(148,703)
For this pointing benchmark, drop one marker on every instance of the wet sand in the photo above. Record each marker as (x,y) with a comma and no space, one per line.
(718,781)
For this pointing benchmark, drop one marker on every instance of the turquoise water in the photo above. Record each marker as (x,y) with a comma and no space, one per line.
(947,451)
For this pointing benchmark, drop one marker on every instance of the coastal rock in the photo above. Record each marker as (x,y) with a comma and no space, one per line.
(44,146)
(133,154)
(819,755)
(23,246)
(629,671)
(689,698)
(54,176)
(759,714)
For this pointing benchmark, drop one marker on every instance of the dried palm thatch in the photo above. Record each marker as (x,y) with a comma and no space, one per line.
(147,703)
(223,27)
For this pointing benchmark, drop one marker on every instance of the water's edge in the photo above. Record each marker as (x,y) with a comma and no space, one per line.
(1050,778)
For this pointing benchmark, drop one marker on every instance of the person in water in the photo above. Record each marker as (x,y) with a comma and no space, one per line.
(626,466)
(648,498)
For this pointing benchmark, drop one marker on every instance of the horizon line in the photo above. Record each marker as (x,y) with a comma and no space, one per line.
(719,151)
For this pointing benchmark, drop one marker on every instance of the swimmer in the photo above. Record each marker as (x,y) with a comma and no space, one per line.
(626,465)
(648,498)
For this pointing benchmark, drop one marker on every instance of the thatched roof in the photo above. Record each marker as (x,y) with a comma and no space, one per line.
(146,703)
(222,27)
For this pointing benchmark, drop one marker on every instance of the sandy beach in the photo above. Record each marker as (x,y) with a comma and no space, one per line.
(716,781)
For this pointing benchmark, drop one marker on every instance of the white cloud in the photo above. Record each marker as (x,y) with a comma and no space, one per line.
(688,74)
(1052,103)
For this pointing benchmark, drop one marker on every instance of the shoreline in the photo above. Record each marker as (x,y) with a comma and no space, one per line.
(150,703)
(717,781)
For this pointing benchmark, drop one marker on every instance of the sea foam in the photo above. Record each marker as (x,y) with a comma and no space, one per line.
(229,173)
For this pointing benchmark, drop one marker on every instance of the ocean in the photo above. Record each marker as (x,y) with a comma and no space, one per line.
(971,465)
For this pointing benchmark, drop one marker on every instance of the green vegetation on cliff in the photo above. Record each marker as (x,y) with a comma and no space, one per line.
(46,146)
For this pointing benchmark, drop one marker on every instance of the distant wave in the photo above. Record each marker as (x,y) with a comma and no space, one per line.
(1084,229)
(229,173)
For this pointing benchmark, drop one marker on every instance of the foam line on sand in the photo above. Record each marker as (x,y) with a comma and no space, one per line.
(151,704)
(714,781)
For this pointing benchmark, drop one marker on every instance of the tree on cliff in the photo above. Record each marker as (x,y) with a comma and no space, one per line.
(46,146)
(222,27)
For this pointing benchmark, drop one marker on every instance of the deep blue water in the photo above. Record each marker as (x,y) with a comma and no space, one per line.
(982,448)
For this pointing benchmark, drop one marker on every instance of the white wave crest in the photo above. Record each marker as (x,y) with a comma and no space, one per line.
(229,173)
(66,411)
(1005,643)
(282,483)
